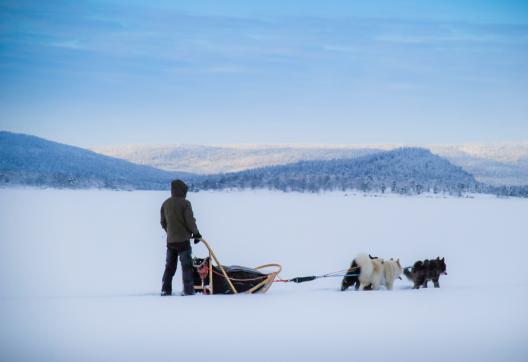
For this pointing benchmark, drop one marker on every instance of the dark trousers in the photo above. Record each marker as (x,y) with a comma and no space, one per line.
(171,263)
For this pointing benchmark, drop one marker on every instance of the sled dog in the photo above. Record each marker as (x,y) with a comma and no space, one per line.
(351,277)
(369,272)
(392,270)
(423,271)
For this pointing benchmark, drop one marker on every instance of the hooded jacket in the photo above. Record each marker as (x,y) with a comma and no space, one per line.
(177,217)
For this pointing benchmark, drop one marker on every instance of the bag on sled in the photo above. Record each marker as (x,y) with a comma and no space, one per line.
(210,277)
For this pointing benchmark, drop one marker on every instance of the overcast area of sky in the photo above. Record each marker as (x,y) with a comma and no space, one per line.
(92,73)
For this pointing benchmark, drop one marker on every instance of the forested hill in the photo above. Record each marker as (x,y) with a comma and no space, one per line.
(404,170)
(33,161)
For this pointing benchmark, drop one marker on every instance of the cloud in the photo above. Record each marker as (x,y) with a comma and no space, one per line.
(68,44)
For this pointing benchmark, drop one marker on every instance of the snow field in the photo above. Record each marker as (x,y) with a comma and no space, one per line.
(80,275)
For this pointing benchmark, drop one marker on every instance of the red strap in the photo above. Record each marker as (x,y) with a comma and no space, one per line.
(203,271)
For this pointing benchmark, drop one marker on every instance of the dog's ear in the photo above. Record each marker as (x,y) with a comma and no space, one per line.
(398,262)
(442,259)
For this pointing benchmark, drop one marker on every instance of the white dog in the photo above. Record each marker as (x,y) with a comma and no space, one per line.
(392,270)
(371,271)
(376,272)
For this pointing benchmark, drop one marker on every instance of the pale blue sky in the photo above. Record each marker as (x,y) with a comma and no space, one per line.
(215,72)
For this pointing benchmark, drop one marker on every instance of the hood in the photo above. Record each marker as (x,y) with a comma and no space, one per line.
(179,188)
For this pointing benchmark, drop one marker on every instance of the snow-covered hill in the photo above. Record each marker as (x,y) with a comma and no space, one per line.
(80,273)
(404,170)
(32,161)
(493,164)
(496,164)
(217,159)
(29,160)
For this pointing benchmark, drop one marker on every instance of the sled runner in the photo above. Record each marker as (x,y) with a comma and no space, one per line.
(220,279)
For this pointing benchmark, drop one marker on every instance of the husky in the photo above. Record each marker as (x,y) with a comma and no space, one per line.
(369,272)
(424,271)
(392,270)
(371,275)
(352,276)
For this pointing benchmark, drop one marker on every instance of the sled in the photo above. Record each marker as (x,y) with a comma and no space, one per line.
(220,279)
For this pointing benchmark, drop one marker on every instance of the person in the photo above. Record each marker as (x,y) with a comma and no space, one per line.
(177,219)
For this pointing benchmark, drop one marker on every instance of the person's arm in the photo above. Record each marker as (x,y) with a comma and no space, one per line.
(190,221)
(163,220)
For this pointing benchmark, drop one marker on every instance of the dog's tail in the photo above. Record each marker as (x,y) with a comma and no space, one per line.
(365,264)
(351,276)
(353,267)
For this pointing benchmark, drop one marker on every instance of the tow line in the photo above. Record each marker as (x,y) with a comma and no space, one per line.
(336,274)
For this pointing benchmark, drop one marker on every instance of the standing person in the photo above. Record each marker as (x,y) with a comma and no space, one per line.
(177,219)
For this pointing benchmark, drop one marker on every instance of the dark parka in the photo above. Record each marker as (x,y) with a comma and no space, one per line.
(177,217)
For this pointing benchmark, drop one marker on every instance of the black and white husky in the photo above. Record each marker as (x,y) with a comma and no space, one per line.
(368,272)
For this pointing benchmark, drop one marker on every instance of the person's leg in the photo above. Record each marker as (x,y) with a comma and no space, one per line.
(171,261)
(187,271)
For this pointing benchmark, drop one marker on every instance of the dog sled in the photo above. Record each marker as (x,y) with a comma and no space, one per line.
(211,277)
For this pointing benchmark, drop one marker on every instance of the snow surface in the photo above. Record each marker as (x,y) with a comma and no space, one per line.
(80,275)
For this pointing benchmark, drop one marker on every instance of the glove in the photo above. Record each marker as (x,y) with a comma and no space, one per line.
(197,237)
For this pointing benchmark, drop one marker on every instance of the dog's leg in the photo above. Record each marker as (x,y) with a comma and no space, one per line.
(424,285)
(389,285)
(420,280)
(365,286)
(436,283)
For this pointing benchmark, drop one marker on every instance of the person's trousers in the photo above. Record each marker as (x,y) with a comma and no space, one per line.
(171,263)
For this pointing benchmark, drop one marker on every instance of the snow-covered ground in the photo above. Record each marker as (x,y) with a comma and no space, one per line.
(80,274)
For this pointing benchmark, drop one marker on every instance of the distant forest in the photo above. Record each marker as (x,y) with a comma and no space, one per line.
(408,171)
(32,161)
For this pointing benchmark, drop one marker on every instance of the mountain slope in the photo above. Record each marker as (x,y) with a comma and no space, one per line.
(30,160)
(495,164)
(215,159)
(404,170)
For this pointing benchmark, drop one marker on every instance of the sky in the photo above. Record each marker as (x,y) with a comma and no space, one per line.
(94,73)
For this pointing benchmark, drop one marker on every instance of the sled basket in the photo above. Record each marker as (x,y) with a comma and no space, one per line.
(216,278)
